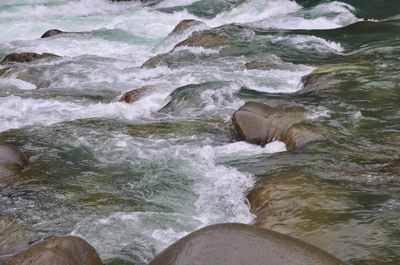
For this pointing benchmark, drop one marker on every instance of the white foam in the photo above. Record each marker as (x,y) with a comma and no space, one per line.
(287,14)
(16,112)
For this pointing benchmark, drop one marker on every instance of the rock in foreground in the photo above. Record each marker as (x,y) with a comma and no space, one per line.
(234,243)
(69,250)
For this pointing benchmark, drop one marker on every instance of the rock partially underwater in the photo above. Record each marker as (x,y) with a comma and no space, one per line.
(68,250)
(329,76)
(14,237)
(233,243)
(26,57)
(260,124)
(12,160)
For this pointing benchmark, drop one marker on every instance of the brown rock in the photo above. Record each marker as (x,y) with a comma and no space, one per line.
(25,57)
(235,244)
(68,250)
(51,33)
(299,135)
(14,237)
(258,123)
(136,94)
(204,40)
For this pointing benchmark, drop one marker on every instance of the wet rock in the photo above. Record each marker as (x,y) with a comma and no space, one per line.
(10,155)
(234,243)
(299,135)
(14,237)
(329,76)
(254,65)
(68,250)
(136,94)
(375,262)
(258,123)
(166,59)
(204,40)
(51,33)
(184,25)
(303,206)
(372,26)
(25,57)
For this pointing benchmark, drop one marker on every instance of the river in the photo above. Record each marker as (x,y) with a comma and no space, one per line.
(133,178)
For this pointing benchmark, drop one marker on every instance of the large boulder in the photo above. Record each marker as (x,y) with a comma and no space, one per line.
(25,57)
(14,237)
(259,123)
(234,243)
(68,250)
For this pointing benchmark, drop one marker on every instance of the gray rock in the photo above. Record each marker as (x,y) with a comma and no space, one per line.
(25,57)
(258,123)
(68,250)
(234,244)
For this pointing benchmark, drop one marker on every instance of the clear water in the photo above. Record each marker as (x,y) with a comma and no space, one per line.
(133,178)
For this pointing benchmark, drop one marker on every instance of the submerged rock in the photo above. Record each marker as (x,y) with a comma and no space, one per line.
(372,26)
(25,57)
(68,250)
(51,33)
(328,76)
(255,65)
(12,155)
(299,135)
(184,25)
(234,243)
(258,123)
(14,237)
(302,205)
(136,94)
(204,40)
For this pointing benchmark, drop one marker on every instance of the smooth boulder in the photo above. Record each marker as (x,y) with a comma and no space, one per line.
(234,243)
(68,250)
(258,123)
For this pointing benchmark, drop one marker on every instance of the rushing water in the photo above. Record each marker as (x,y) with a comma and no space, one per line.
(133,178)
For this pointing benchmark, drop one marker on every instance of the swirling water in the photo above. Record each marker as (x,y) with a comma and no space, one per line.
(133,178)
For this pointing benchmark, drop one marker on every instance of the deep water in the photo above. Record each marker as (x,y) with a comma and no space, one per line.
(133,178)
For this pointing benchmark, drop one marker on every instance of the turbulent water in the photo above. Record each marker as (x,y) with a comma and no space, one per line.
(133,178)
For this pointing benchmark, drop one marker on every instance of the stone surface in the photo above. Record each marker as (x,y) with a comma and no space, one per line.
(234,243)
(69,250)
(14,237)
(25,57)
(259,123)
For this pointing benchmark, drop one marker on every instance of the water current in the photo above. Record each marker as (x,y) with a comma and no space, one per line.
(133,178)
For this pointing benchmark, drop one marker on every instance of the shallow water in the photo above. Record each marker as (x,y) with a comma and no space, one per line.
(133,178)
